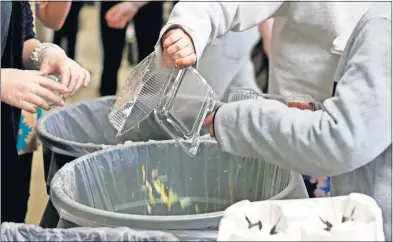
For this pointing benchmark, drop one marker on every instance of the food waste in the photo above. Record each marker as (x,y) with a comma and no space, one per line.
(167,196)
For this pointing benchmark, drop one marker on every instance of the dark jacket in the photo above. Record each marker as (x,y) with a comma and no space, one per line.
(19,29)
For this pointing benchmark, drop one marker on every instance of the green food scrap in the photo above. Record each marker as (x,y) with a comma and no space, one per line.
(197,208)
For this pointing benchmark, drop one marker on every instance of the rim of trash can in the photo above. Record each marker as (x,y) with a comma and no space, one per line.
(57,143)
(91,215)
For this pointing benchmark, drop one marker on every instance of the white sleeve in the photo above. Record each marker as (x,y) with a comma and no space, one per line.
(205,21)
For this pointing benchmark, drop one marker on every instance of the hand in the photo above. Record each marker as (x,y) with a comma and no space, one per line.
(178,48)
(266,46)
(209,123)
(72,74)
(29,90)
(119,15)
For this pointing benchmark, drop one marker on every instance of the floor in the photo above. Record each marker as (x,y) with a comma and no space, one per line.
(89,55)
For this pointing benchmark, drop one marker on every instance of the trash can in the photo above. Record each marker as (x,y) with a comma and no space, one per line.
(82,128)
(109,188)
(29,232)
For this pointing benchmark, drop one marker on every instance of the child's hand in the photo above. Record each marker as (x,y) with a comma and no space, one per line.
(209,123)
(178,48)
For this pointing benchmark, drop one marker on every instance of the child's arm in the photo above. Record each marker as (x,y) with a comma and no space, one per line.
(353,129)
(206,21)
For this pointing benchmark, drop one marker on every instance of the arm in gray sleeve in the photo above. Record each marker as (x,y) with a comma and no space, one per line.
(353,129)
(206,21)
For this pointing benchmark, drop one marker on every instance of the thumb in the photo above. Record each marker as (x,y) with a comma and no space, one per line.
(45,70)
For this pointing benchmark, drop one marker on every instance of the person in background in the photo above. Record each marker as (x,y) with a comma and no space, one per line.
(69,29)
(26,89)
(148,22)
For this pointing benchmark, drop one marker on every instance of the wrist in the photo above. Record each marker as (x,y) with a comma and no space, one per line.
(39,52)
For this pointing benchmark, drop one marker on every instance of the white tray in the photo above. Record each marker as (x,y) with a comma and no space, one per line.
(301,220)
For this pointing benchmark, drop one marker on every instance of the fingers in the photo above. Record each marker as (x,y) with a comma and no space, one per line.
(28,107)
(50,96)
(209,123)
(172,37)
(80,81)
(118,24)
(209,120)
(187,51)
(52,85)
(65,74)
(179,48)
(186,61)
(36,101)
(82,78)
(87,78)
(211,131)
(75,75)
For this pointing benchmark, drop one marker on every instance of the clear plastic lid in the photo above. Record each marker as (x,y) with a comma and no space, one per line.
(156,86)
(184,108)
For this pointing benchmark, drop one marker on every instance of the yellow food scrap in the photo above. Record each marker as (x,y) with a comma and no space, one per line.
(143,175)
(158,186)
(150,193)
(197,208)
(138,125)
(171,199)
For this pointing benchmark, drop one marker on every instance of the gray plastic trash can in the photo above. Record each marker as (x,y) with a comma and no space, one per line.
(29,232)
(82,128)
(107,188)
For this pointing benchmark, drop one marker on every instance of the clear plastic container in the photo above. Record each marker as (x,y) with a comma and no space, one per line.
(154,86)
(56,79)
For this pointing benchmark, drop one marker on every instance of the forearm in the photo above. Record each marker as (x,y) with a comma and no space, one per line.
(28,48)
(53,14)
(307,142)
(337,140)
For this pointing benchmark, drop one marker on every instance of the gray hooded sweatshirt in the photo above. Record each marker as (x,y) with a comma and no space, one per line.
(350,140)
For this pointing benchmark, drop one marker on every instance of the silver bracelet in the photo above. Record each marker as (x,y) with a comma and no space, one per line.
(38,52)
